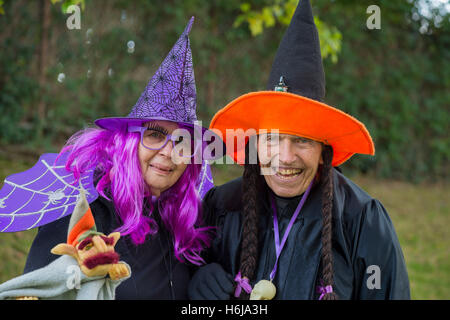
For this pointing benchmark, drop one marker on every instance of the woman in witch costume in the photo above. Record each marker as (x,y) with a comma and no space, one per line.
(293,226)
(147,192)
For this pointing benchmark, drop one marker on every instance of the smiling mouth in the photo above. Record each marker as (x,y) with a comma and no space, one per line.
(288,173)
(161,168)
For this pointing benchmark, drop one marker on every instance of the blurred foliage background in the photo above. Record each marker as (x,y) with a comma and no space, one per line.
(55,81)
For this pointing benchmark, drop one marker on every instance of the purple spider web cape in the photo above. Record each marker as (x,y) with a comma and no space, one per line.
(42,194)
(47,192)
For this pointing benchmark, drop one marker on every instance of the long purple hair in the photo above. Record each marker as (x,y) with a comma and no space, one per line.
(115,156)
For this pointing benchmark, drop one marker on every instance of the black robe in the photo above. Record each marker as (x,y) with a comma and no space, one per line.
(152,263)
(363,237)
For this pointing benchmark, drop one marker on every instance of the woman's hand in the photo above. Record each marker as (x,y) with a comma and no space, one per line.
(211,282)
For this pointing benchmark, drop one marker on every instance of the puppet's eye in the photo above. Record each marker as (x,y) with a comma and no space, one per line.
(88,247)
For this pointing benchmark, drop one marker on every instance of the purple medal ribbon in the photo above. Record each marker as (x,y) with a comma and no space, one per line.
(279,247)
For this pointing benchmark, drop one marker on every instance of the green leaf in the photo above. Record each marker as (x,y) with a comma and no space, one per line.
(67,3)
(241,18)
(267,16)
(256,26)
(245,7)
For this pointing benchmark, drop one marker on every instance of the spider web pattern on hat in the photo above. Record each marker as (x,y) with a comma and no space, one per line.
(171,92)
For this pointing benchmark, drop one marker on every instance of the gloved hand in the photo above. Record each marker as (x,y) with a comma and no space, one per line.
(211,282)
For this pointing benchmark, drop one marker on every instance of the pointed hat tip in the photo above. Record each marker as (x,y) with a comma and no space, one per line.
(189,25)
(304,11)
(81,219)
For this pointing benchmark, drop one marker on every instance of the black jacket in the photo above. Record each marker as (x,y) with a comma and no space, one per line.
(363,236)
(150,262)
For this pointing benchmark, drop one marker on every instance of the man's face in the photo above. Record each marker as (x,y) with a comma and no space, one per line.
(292,160)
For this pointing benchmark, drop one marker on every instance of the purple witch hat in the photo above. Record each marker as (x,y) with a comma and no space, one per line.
(170,94)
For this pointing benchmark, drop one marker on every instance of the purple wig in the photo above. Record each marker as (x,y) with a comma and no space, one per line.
(115,156)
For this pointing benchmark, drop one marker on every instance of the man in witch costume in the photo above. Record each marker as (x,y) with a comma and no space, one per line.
(306,231)
(147,190)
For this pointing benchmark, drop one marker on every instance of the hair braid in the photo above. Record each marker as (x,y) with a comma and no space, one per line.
(327,205)
(249,246)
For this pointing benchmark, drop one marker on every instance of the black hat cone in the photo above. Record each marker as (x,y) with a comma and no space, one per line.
(298,59)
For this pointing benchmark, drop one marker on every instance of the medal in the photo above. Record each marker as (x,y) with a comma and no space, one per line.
(265,289)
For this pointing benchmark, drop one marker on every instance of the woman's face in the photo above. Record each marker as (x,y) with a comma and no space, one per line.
(159,171)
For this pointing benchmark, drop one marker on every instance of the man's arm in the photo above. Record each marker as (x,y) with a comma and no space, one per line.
(379,265)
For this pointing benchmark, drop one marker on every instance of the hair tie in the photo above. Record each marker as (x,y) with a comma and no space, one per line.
(324,290)
(242,283)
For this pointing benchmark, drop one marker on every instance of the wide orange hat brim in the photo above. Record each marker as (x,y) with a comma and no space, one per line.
(296,115)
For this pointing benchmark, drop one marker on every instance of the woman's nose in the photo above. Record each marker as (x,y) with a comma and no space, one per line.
(167,149)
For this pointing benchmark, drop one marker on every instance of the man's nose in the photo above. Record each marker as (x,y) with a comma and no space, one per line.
(286,151)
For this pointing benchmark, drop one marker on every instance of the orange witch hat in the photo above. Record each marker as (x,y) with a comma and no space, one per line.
(296,105)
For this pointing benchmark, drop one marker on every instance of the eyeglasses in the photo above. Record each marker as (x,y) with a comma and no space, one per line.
(157,138)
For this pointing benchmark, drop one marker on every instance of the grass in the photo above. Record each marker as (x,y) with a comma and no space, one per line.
(421,217)
(14,246)
(420,214)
